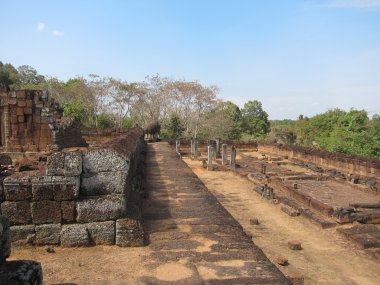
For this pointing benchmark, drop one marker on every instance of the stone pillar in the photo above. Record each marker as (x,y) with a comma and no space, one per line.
(263,169)
(177,146)
(217,145)
(195,149)
(224,154)
(7,131)
(209,160)
(233,157)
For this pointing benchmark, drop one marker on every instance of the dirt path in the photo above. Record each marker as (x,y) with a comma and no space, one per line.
(326,258)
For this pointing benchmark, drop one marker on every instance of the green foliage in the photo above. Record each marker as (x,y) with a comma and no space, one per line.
(74,109)
(174,128)
(255,120)
(105,121)
(234,113)
(339,131)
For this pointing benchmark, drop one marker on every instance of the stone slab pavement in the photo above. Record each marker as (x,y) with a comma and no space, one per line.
(192,238)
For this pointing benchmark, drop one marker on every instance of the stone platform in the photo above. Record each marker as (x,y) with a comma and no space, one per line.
(193,239)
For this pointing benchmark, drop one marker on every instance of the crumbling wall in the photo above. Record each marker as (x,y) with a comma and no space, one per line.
(87,197)
(345,163)
(98,136)
(32,121)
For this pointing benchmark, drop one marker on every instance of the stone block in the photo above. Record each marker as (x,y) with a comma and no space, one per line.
(55,164)
(73,164)
(1,195)
(21,272)
(99,209)
(294,245)
(5,240)
(17,189)
(24,234)
(27,110)
(65,188)
(68,211)
(18,213)
(104,183)
(129,232)
(48,234)
(21,94)
(289,210)
(46,212)
(42,188)
(99,160)
(102,233)
(74,235)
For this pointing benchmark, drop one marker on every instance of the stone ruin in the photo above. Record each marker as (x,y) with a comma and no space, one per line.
(16,271)
(88,196)
(31,121)
(76,195)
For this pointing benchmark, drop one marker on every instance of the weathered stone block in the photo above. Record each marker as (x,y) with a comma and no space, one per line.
(98,209)
(129,232)
(42,188)
(73,164)
(18,213)
(65,188)
(104,183)
(74,235)
(5,241)
(24,233)
(102,232)
(21,272)
(289,210)
(68,211)
(49,234)
(99,160)
(294,245)
(17,189)
(46,212)
(55,164)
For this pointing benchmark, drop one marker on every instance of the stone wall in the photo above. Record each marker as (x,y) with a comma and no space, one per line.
(31,121)
(16,271)
(89,196)
(360,166)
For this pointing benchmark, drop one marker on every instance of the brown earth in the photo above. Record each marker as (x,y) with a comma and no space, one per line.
(192,240)
(326,257)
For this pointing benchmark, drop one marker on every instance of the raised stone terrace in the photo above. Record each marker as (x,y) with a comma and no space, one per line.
(191,235)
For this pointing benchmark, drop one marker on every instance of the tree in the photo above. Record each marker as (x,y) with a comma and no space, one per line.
(174,128)
(8,76)
(255,120)
(28,78)
(234,114)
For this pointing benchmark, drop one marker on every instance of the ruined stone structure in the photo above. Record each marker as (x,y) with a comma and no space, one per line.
(89,196)
(18,271)
(359,166)
(30,121)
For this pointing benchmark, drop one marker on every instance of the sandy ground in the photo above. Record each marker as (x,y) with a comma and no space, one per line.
(326,257)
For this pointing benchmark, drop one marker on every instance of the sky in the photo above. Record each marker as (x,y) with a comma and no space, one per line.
(295,56)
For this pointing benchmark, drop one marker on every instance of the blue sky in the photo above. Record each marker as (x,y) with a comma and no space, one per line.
(296,57)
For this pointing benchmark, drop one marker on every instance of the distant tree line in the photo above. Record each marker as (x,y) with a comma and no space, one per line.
(185,109)
(188,109)
(335,130)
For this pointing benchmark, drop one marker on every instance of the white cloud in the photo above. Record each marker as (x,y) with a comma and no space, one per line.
(40,27)
(57,34)
(354,4)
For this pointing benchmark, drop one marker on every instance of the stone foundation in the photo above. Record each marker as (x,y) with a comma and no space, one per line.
(87,197)
(19,271)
